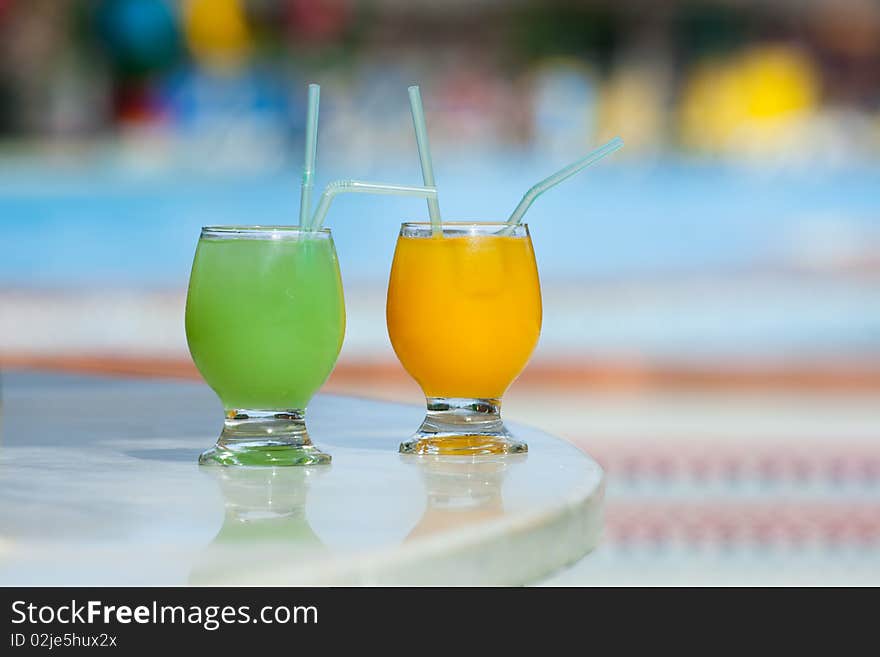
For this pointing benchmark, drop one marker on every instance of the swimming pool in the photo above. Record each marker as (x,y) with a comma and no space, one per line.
(105,226)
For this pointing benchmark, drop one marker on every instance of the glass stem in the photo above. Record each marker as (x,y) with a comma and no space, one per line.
(463,415)
(464,427)
(243,427)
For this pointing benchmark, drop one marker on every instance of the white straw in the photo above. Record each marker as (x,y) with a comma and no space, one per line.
(361,187)
(308,174)
(421,127)
(563,174)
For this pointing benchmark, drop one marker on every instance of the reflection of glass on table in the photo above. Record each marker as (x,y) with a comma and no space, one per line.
(461,490)
(264,519)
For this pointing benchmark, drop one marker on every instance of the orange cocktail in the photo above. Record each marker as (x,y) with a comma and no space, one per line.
(464,315)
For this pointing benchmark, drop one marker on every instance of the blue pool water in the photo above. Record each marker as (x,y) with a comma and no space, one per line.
(101,226)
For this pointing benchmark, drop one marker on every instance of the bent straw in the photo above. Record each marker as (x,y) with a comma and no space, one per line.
(418,115)
(308,174)
(563,174)
(358,186)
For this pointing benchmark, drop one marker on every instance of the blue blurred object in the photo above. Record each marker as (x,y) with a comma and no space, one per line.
(197,100)
(141,35)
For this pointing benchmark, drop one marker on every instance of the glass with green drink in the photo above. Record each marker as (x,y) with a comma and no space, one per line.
(265,320)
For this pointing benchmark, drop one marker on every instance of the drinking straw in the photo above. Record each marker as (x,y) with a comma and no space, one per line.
(418,114)
(305,200)
(358,186)
(563,174)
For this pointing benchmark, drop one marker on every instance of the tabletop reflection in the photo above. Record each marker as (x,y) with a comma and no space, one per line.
(264,518)
(460,490)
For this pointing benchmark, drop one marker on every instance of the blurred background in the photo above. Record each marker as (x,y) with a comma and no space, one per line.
(712,291)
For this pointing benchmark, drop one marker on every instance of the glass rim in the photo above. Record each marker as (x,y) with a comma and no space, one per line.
(460,224)
(259,231)
(452,229)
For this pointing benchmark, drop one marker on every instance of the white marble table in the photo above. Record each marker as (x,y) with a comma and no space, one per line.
(99,486)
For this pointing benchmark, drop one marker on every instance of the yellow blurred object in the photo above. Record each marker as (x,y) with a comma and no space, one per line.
(217,32)
(762,95)
(631,103)
(778,81)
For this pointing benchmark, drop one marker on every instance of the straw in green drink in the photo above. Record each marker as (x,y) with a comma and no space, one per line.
(362,187)
(311,151)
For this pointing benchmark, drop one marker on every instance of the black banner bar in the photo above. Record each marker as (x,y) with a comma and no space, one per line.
(124,620)
(64,619)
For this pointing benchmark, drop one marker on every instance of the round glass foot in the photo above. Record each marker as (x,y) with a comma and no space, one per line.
(264,455)
(463,427)
(264,438)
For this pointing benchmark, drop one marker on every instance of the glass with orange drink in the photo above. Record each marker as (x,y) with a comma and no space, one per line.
(464,315)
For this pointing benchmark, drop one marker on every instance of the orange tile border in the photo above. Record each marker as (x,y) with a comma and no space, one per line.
(542,374)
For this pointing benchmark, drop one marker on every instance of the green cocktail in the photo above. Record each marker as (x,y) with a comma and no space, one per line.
(265,319)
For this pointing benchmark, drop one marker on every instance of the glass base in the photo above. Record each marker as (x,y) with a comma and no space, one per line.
(264,438)
(463,427)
